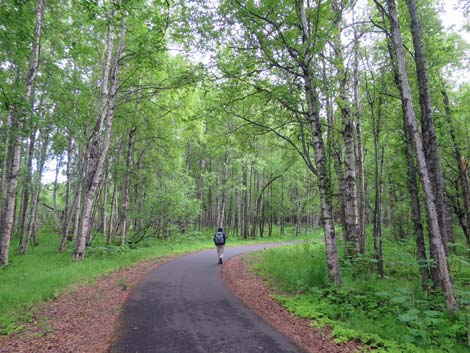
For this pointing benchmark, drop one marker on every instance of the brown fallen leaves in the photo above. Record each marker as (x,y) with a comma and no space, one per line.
(254,293)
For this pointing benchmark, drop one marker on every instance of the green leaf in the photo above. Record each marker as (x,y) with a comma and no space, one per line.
(409,316)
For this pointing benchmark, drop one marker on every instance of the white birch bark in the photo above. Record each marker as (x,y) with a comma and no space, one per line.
(68,168)
(6,161)
(361,186)
(221,213)
(461,167)
(412,124)
(351,233)
(36,190)
(111,221)
(127,181)
(324,184)
(8,214)
(96,153)
(27,186)
(431,150)
(73,209)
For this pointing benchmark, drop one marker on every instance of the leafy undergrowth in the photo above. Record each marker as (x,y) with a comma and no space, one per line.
(43,274)
(387,315)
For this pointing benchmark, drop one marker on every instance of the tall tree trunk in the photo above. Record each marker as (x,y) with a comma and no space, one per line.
(239,199)
(379,162)
(271,212)
(431,151)
(127,179)
(411,123)
(201,196)
(209,209)
(427,271)
(462,167)
(263,220)
(68,182)
(324,183)
(351,232)
(130,156)
(378,173)
(71,218)
(234,206)
(298,215)
(361,180)
(104,202)
(217,194)
(416,213)
(18,119)
(6,163)
(310,196)
(334,151)
(27,186)
(57,215)
(92,149)
(281,211)
(260,195)
(114,201)
(188,147)
(255,216)
(250,192)
(244,220)
(76,211)
(36,190)
(139,199)
(97,153)
(449,219)
(202,205)
(338,165)
(223,201)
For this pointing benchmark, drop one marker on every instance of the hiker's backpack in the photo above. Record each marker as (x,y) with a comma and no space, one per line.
(219,238)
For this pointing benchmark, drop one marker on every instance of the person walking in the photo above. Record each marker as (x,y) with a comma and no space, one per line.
(219,241)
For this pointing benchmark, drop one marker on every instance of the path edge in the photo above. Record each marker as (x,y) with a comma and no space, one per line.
(254,292)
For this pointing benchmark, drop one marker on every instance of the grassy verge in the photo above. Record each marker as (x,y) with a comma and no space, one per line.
(388,315)
(44,273)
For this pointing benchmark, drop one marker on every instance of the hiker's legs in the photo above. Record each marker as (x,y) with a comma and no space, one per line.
(220,251)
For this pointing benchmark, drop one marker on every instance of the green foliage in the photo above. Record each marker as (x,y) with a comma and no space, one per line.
(391,315)
(296,268)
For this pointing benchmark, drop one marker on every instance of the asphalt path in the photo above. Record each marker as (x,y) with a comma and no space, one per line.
(184,306)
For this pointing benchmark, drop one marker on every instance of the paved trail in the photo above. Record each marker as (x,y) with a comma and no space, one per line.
(184,307)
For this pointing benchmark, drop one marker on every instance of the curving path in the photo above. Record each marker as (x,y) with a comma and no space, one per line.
(183,306)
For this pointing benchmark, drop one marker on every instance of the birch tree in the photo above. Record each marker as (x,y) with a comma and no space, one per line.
(412,126)
(18,118)
(350,196)
(427,125)
(462,213)
(99,140)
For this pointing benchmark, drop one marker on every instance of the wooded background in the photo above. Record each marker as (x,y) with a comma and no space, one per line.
(167,117)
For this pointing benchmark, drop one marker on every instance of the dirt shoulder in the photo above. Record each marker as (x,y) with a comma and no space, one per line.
(255,293)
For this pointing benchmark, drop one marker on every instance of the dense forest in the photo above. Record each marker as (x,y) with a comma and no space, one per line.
(159,118)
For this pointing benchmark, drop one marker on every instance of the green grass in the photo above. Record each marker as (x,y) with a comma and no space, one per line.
(388,315)
(44,273)
(296,268)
